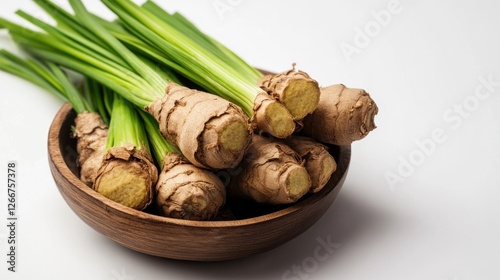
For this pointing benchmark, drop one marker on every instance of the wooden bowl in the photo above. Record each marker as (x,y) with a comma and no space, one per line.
(255,230)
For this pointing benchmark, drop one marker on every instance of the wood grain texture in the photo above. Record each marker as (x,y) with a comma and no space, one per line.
(182,239)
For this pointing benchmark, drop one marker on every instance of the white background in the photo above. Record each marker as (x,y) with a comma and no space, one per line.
(440,220)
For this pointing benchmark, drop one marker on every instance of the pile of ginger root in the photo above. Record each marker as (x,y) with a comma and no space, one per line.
(273,172)
(282,171)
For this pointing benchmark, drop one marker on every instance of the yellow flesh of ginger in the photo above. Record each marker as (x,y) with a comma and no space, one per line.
(299,182)
(328,166)
(279,120)
(234,136)
(301,98)
(125,187)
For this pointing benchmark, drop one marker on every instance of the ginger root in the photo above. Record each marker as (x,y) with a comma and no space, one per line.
(210,131)
(343,115)
(319,163)
(185,191)
(91,134)
(270,172)
(296,90)
(272,117)
(127,176)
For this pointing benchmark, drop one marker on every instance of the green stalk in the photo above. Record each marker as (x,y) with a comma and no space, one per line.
(140,46)
(79,43)
(89,130)
(107,95)
(109,69)
(108,61)
(127,174)
(133,61)
(46,75)
(125,127)
(99,68)
(65,20)
(93,91)
(186,53)
(159,146)
(209,43)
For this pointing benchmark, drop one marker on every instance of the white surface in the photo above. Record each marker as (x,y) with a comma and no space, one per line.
(441,223)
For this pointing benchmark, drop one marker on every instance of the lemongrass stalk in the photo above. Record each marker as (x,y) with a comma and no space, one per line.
(125,126)
(152,30)
(91,63)
(140,47)
(127,174)
(133,61)
(59,49)
(89,130)
(210,69)
(48,76)
(127,74)
(295,89)
(159,146)
(92,90)
(193,32)
(183,190)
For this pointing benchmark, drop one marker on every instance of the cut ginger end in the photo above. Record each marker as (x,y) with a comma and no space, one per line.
(298,182)
(301,97)
(328,166)
(279,120)
(234,137)
(125,187)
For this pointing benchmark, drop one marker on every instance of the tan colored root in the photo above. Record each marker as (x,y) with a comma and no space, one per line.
(343,115)
(127,176)
(294,89)
(185,191)
(319,163)
(272,117)
(91,134)
(210,131)
(270,173)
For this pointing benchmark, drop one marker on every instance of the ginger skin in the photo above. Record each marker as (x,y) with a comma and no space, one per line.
(91,134)
(319,163)
(271,172)
(127,176)
(210,131)
(296,90)
(185,191)
(343,115)
(272,117)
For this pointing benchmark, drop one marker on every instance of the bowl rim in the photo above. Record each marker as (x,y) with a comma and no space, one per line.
(55,155)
